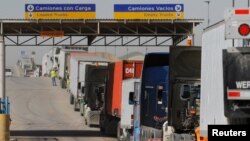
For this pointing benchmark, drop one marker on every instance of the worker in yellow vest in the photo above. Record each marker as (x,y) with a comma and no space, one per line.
(67,83)
(53,75)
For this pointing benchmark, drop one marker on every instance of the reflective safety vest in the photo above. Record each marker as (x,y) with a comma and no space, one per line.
(53,73)
(68,82)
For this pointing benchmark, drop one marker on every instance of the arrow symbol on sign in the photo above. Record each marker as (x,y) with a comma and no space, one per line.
(30,8)
(178,8)
(30,15)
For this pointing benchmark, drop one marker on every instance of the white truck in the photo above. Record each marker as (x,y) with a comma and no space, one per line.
(64,62)
(125,126)
(50,61)
(225,95)
(77,75)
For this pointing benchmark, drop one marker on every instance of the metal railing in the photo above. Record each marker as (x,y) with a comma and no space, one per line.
(4,106)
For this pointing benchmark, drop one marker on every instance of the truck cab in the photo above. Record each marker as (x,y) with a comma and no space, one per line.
(184,93)
(154,95)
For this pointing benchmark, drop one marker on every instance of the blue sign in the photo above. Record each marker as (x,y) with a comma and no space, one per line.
(149,8)
(149,11)
(60,8)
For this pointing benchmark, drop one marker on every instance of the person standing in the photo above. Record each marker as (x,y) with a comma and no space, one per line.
(53,77)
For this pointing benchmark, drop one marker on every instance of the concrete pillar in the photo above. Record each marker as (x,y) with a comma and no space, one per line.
(2,67)
(4,118)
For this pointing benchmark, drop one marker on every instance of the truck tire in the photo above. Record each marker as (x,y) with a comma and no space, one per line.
(76,106)
(71,99)
(81,112)
(63,84)
(102,130)
(120,136)
(87,123)
(81,109)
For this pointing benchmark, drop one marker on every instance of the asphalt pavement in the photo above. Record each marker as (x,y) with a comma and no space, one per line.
(40,111)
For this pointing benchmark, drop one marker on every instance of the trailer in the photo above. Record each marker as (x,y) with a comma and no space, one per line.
(225,75)
(46,64)
(64,63)
(117,114)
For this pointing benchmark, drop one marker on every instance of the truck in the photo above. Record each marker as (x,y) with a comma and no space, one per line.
(116,118)
(64,63)
(153,95)
(225,75)
(77,75)
(50,61)
(169,98)
(184,94)
(94,89)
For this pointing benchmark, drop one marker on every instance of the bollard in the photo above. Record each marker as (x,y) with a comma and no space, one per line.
(4,127)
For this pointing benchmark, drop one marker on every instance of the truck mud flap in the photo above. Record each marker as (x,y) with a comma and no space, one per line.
(181,137)
(93,118)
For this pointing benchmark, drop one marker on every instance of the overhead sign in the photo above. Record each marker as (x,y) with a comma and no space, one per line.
(149,11)
(60,11)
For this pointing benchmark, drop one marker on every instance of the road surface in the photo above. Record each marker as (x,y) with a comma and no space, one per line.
(40,111)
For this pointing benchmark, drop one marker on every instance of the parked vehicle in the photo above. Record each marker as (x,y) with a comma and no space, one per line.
(225,74)
(169,98)
(117,114)
(77,75)
(8,72)
(184,94)
(64,63)
(94,90)
(154,95)
(50,61)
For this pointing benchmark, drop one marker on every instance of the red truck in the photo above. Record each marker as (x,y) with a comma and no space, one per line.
(117,111)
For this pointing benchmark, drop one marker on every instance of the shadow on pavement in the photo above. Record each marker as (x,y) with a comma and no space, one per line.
(57,133)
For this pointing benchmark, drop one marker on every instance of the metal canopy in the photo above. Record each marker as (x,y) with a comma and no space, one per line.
(97,32)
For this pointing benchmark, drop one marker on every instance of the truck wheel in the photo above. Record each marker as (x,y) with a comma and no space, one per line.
(61,81)
(81,112)
(76,106)
(63,84)
(81,109)
(87,123)
(71,99)
(120,136)
(102,130)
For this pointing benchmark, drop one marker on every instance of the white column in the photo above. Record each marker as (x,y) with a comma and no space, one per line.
(2,67)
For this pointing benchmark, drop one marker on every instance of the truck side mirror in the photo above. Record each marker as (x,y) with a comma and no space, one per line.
(131,98)
(185,92)
(82,90)
(79,85)
(160,94)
